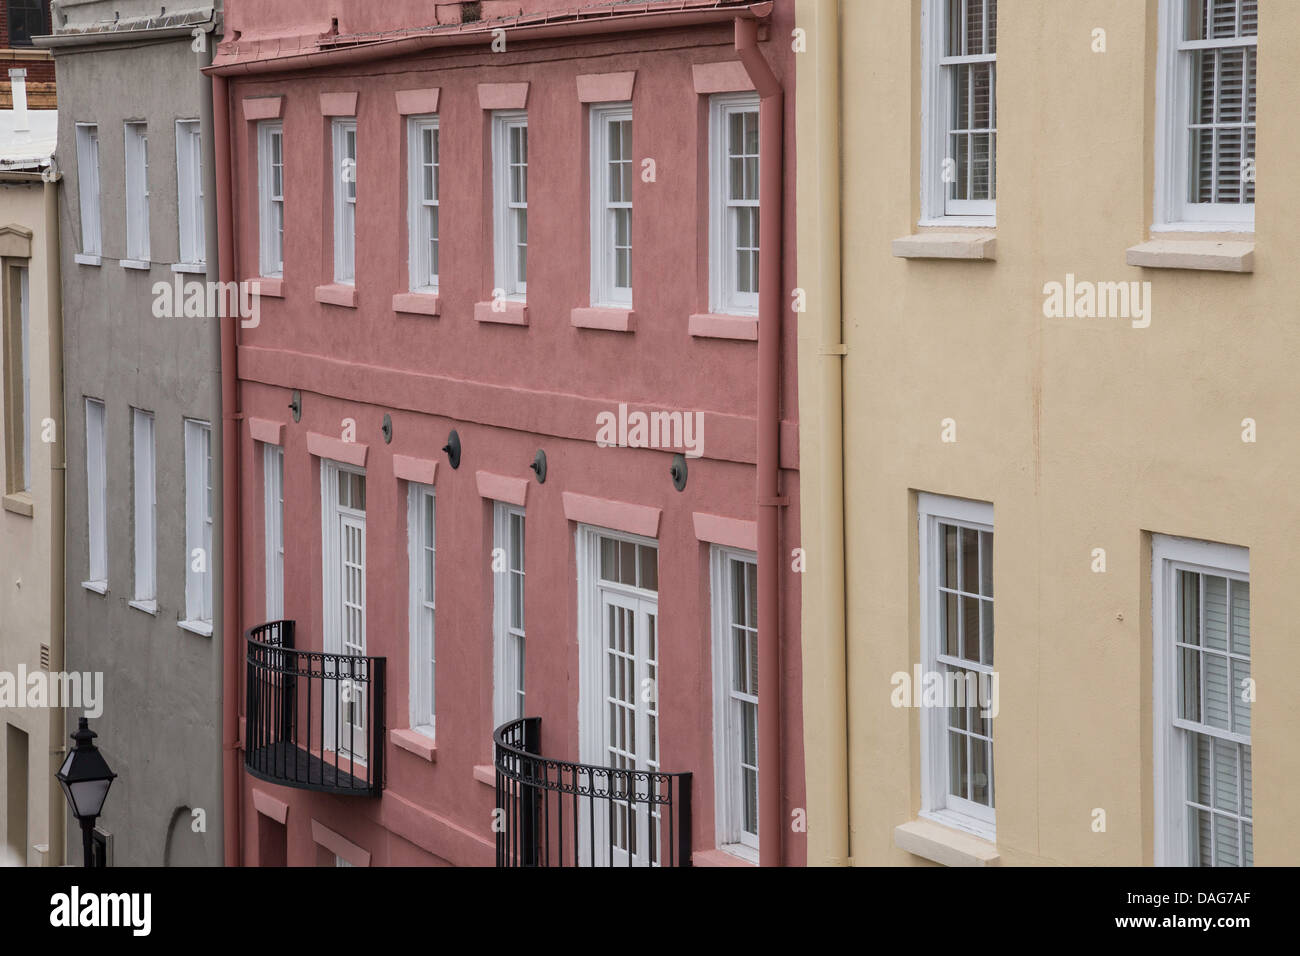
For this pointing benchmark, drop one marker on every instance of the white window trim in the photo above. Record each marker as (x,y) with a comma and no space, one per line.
(97,498)
(934,129)
(144,480)
(603,290)
(136,139)
(721,247)
(1169,771)
(1172,212)
(345,206)
(503,684)
(189,194)
(273,527)
(332,624)
(271,237)
(726,761)
(88,190)
(419,266)
(199,528)
(422,698)
(936,803)
(504,234)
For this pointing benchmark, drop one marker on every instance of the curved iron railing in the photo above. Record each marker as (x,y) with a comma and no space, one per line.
(313,720)
(560,813)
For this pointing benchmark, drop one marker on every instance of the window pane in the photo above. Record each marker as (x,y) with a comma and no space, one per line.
(981,792)
(948,570)
(957,777)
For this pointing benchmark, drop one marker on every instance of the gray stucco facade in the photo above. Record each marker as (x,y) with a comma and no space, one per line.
(160,728)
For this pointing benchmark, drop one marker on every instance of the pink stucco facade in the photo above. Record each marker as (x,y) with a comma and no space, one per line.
(508,389)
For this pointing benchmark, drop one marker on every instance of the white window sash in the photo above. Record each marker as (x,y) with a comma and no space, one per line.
(97,492)
(345,200)
(509,655)
(137,191)
(88,187)
(937,803)
(723,239)
(145,506)
(507,237)
(422,614)
(273,491)
(198,521)
(604,288)
(189,192)
(270,140)
(422,209)
(727,724)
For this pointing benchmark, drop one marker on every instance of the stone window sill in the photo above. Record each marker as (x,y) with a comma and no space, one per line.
(725,857)
(608,318)
(270,286)
(416,303)
(142,264)
(337,293)
(485,773)
(99,587)
(948,244)
(85,259)
(149,607)
(712,325)
(934,841)
(1207,255)
(416,742)
(19,503)
(515,312)
(201,628)
(192,268)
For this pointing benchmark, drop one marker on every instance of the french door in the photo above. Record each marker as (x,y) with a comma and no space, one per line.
(343,493)
(619,721)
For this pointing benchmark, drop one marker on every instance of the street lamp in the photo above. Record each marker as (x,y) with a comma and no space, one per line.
(85,779)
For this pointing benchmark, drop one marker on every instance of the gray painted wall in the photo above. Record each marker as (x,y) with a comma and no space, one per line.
(161,726)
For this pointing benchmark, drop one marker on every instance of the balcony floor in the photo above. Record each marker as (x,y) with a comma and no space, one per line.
(291,766)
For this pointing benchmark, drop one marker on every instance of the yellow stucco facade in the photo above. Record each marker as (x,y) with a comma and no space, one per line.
(1082,433)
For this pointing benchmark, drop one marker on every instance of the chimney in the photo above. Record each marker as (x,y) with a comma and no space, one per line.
(18,83)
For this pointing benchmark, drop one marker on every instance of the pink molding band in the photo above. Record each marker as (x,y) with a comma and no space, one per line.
(265,430)
(515,313)
(420,470)
(338,844)
(336,449)
(513,491)
(502,96)
(338,104)
(616,515)
(263,107)
(268,806)
(707,325)
(611,320)
(411,102)
(729,532)
(416,303)
(726,77)
(606,87)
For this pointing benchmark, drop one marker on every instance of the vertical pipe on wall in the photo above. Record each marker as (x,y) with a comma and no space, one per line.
(770,297)
(821,436)
(58,472)
(230,639)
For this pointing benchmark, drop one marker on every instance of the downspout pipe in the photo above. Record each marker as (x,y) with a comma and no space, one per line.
(771,118)
(821,439)
(232,776)
(58,472)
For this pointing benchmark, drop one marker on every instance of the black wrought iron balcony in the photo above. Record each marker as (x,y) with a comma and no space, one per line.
(558,813)
(314,720)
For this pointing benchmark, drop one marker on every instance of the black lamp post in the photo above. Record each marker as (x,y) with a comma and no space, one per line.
(85,779)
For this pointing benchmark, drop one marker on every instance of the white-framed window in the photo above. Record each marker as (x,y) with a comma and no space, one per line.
(510,201)
(1205,115)
(733,191)
(343,588)
(189,192)
(96,495)
(345,199)
(735,699)
(270,197)
(88,187)
(959,111)
(1203,697)
(146,509)
(421,525)
(508,657)
(956,589)
(137,191)
(273,511)
(17,393)
(422,202)
(198,526)
(611,205)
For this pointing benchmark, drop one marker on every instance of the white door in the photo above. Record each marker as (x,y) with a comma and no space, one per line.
(619,726)
(344,508)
